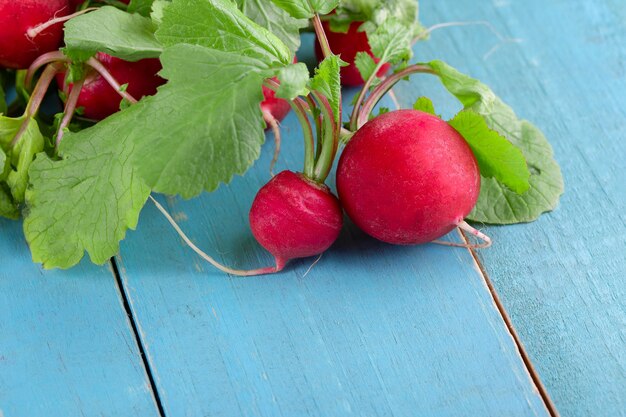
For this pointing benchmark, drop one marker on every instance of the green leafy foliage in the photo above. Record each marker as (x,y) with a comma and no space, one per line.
(203,127)
(110,30)
(497,157)
(142,7)
(497,203)
(221,26)
(293,81)
(374,13)
(327,82)
(305,9)
(18,156)
(268,15)
(391,42)
(426,105)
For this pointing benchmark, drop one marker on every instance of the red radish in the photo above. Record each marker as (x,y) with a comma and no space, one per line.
(294,217)
(99,99)
(277,107)
(17,49)
(291,216)
(347,45)
(407,177)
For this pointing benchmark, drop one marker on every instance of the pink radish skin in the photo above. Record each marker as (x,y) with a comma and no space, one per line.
(277,107)
(293,217)
(347,45)
(17,49)
(407,177)
(100,100)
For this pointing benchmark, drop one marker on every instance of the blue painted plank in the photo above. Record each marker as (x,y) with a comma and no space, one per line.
(562,279)
(66,346)
(372,330)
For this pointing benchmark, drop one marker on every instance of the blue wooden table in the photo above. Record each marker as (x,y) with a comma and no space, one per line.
(535,324)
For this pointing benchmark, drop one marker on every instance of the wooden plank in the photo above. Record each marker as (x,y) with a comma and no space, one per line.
(372,330)
(562,279)
(66,345)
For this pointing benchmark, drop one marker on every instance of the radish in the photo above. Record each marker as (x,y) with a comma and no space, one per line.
(18,49)
(294,217)
(347,45)
(291,216)
(407,177)
(99,99)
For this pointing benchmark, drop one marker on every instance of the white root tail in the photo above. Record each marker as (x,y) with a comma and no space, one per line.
(275,126)
(33,32)
(209,259)
(471,230)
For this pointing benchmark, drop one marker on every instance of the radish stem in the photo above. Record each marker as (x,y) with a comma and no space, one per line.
(39,92)
(382,89)
(209,259)
(33,32)
(97,65)
(68,112)
(330,138)
(42,60)
(321,36)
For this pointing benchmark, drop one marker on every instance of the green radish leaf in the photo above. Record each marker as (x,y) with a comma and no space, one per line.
(293,81)
(374,13)
(276,20)
(19,157)
(84,202)
(365,64)
(305,9)
(142,7)
(110,30)
(158,8)
(8,208)
(391,42)
(426,105)
(203,127)
(219,25)
(497,157)
(498,204)
(327,82)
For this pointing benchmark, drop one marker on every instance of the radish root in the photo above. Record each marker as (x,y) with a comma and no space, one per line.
(275,126)
(33,32)
(68,112)
(471,230)
(209,259)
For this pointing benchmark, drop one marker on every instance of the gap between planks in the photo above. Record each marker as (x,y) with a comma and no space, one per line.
(138,341)
(534,375)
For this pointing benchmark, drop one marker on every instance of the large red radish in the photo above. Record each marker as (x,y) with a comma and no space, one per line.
(407,177)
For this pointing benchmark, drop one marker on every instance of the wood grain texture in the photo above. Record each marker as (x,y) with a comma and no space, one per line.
(66,346)
(372,330)
(563,278)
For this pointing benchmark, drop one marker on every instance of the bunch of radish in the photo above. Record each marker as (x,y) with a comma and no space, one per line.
(404,177)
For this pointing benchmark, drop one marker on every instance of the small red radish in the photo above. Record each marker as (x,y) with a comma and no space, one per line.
(291,216)
(294,217)
(407,177)
(17,48)
(99,99)
(347,45)
(278,108)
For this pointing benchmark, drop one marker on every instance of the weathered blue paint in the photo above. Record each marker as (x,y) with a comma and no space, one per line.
(372,330)
(66,346)
(563,278)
